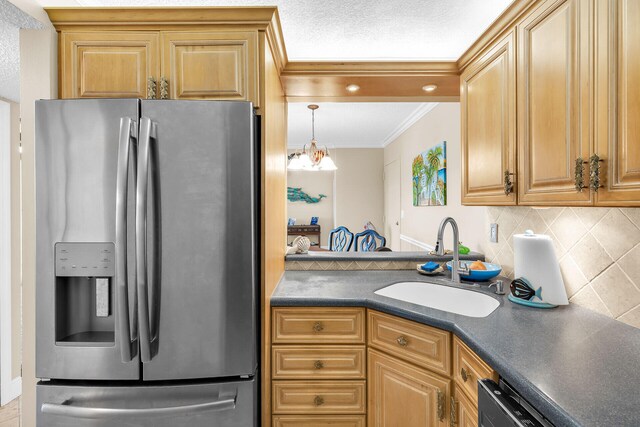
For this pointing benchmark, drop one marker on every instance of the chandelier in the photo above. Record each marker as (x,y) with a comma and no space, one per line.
(312,158)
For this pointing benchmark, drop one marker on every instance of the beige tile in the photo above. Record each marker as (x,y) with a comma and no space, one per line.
(573,278)
(505,259)
(633,214)
(590,257)
(617,292)
(558,248)
(632,317)
(589,299)
(630,264)
(494,212)
(549,214)
(590,216)
(532,221)
(568,228)
(616,233)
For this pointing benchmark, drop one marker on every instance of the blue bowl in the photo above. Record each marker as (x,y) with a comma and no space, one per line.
(479,275)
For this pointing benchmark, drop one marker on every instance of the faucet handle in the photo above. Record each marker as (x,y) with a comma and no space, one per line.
(499,287)
(463,268)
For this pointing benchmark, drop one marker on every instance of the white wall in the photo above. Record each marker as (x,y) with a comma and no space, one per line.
(359,187)
(421,223)
(355,192)
(38,80)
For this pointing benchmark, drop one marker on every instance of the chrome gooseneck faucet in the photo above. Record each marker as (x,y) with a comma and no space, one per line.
(456,269)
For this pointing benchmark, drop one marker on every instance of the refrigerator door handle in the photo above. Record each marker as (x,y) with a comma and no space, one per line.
(66,409)
(144,156)
(126,152)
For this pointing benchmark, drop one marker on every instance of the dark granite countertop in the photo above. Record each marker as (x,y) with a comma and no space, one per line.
(378,256)
(577,367)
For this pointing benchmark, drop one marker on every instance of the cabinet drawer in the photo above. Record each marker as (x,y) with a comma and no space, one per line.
(318,397)
(319,421)
(468,368)
(318,362)
(318,325)
(419,344)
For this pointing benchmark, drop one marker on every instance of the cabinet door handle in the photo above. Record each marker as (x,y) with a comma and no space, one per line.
(402,341)
(452,415)
(440,405)
(594,175)
(465,374)
(164,88)
(318,401)
(508,184)
(152,86)
(318,364)
(317,327)
(579,174)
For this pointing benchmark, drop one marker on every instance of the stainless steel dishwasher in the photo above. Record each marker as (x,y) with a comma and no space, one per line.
(499,405)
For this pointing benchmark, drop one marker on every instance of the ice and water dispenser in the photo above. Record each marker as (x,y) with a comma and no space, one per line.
(84,294)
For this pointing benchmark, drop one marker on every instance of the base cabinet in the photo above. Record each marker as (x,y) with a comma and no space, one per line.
(323,374)
(464,410)
(403,395)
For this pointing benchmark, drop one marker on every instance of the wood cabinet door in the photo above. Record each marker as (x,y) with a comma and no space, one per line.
(211,65)
(618,101)
(465,409)
(400,394)
(488,112)
(554,102)
(107,64)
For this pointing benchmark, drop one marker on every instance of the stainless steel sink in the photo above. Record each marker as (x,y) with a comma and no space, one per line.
(445,298)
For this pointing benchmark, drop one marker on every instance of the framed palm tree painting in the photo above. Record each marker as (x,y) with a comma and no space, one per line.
(429,170)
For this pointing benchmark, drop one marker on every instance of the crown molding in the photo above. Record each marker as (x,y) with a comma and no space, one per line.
(419,113)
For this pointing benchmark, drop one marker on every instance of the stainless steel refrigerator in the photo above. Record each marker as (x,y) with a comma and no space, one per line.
(146,281)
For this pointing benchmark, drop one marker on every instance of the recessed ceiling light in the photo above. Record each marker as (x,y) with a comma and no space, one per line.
(353,88)
(429,88)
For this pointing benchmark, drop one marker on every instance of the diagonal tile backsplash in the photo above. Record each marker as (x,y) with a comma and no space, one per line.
(598,250)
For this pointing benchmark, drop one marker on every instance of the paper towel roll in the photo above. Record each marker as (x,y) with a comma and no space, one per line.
(535,260)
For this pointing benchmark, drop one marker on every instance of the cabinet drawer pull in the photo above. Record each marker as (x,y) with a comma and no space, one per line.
(164,88)
(465,374)
(151,88)
(318,364)
(594,175)
(452,416)
(579,174)
(317,327)
(402,341)
(440,405)
(318,401)
(508,184)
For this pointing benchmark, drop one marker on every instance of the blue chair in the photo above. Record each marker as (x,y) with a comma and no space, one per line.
(369,242)
(340,239)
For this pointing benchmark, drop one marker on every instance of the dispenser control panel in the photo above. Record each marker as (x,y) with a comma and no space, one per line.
(85,259)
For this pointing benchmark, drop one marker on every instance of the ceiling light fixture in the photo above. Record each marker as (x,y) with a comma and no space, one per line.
(429,88)
(311,157)
(353,88)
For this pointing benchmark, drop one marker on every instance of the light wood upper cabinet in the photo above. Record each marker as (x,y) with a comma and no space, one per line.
(618,101)
(211,65)
(488,97)
(109,64)
(553,102)
(403,395)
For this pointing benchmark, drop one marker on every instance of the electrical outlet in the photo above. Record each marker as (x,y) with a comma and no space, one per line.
(493,233)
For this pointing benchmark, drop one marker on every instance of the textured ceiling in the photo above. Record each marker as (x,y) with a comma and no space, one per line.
(361,29)
(353,125)
(11,20)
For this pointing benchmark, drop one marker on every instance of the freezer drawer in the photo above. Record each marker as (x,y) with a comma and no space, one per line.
(220,404)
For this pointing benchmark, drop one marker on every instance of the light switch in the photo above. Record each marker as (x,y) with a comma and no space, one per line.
(493,233)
